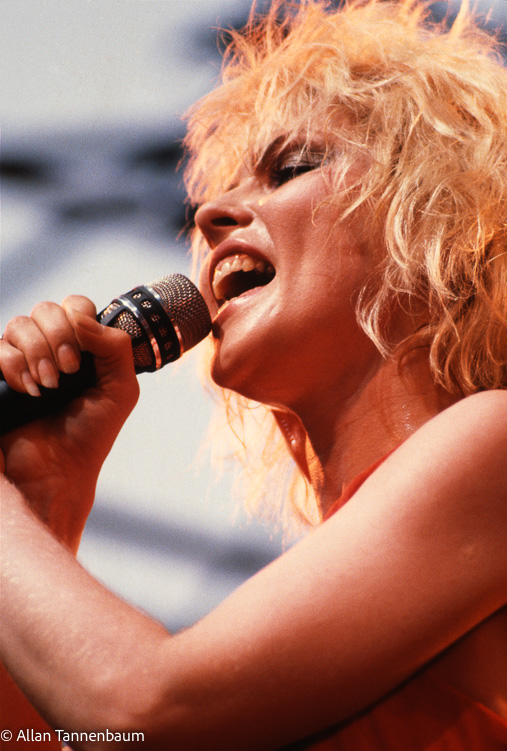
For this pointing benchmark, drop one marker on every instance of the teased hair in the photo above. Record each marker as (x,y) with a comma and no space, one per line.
(428,105)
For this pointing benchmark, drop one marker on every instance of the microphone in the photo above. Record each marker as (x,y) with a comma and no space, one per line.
(164,319)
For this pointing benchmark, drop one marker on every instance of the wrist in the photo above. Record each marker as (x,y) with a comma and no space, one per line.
(57,503)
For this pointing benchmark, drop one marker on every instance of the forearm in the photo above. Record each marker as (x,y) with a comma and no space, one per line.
(79,653)
(60,495)
(62,505)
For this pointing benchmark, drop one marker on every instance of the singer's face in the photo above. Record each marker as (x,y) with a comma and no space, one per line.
(281,280)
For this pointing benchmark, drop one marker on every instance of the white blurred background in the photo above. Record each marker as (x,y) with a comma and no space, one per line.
(92,93)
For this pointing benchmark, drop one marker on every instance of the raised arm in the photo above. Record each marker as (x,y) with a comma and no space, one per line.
(55,462)
(412,562)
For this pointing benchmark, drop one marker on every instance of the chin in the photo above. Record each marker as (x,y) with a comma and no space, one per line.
(229,378)
(255,385)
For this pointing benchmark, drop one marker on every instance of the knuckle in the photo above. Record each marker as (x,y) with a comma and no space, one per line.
(44,308)
(12,360)
(14,325)
(79,302)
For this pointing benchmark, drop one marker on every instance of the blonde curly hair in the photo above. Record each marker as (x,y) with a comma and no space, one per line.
(428,105)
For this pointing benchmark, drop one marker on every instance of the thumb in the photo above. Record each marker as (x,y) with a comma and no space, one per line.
(112,350)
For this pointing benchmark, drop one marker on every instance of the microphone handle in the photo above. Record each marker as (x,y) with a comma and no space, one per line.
(17,409)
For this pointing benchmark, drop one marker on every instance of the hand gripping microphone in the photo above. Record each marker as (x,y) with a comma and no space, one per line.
(164,319)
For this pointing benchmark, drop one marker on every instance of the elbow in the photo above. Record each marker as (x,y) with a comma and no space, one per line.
(126,712)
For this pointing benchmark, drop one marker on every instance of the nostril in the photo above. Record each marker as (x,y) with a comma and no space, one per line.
(224,221)
(217,218)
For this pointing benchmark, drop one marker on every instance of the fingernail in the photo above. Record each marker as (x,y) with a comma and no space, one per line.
(67,358)
(47,374)
(88,323)
(29,384)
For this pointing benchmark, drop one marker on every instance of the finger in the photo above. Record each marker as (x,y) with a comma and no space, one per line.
(85,307)
(81,303)
(24,335)
(109,344)
(112,350)
(15,369)
(54,324)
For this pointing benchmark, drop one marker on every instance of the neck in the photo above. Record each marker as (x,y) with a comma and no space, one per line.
(343,437)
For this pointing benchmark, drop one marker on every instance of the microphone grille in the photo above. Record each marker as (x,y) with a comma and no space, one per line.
(185,306)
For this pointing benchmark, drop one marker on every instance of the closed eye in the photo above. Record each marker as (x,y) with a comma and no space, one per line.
(292,163)
(283,174)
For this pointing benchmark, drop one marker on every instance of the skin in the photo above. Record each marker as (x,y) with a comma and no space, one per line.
(412,565)
(304,323)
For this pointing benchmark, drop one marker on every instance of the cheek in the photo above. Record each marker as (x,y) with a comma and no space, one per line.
(319,253)
(301,219)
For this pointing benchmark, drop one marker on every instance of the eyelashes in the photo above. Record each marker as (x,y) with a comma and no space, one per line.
(281,175)
(286,167)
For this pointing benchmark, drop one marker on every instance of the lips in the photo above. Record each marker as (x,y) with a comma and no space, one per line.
(238,273)
(237,269)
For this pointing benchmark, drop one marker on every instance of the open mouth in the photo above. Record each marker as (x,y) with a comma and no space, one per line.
(238,274)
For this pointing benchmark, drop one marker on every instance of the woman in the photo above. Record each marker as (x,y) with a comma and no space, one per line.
(351,171)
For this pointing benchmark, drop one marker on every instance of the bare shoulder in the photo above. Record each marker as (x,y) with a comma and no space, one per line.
(469,437)
(483,415)
(484,409)
(454,471)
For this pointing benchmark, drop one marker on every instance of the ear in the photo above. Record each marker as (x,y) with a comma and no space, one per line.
(295,436)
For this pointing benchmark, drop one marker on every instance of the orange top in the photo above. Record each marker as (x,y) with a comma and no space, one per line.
(424,714)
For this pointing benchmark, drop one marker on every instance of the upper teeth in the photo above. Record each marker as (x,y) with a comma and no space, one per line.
(239,262)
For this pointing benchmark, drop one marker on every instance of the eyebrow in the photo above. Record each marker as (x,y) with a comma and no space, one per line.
(269,151)
(256,162)
(279,144)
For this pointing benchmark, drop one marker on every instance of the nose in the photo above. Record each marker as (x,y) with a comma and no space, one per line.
(217,219)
